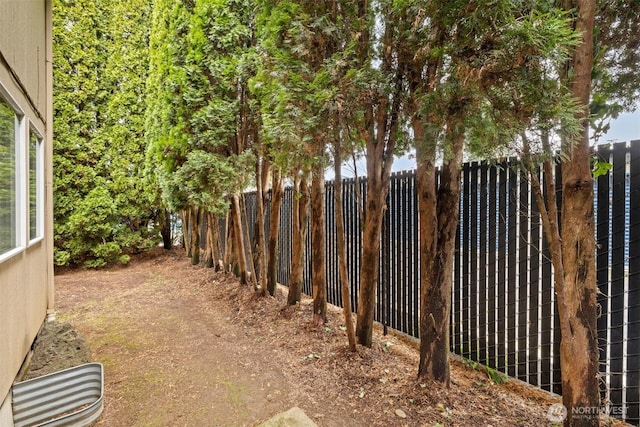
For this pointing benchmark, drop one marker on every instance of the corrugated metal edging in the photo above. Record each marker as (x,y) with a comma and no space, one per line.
(72,397)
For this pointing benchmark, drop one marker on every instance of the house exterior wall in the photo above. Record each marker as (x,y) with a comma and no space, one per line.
(26,275)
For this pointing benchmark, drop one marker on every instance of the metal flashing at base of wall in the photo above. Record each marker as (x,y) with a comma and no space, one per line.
(70,397)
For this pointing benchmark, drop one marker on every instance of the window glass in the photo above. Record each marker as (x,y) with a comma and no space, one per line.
(35,184)
(7,177)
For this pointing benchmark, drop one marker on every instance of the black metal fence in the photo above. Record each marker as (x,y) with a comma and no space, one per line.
(504,310)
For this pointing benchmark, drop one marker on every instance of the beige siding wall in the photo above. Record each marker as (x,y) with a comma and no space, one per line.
(26,279)
(23,44)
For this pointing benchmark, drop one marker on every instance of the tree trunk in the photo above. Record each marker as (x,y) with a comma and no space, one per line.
(318,229)
(579,350)
(239,238)
(342,250)
(274,231)
(229,260)
(379,162)
(165,229)
(377,190)
(196,222)
(260,252)
(438,226)
(300,215)
(209,249)
(186,230)
(247,238)
(214,256)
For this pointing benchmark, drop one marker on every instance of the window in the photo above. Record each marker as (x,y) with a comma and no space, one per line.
(36,187)
(8,194)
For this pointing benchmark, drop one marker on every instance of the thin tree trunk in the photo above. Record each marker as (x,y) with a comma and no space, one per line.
(300,214)
(295,293)
(260,250)
(186,230)
(209,250)
(229,258)
(436,280)
(342,250)
(165,229)
(239,238)
(319,277)
(381,120)
(369,266)
(216,245)
(196,223)
(548,207)
(247,238)
(297,245)
(579,350)
(379,163)
(426,175)
(274,231)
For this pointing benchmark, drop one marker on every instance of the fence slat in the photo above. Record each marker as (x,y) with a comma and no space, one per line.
(534,289)
(603,221)
(512,239)
(633,331)
(482,263)
(466,262)
(617,319)
(502,269)
(492,227)
(546,342)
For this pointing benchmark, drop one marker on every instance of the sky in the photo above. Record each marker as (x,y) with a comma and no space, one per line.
(626,128)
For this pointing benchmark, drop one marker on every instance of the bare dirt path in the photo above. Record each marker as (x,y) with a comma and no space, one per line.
(184,346)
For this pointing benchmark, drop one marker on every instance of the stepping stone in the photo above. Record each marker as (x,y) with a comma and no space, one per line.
(294,417)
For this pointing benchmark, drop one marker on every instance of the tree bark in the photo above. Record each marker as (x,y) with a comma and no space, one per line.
(229,261)
(300,211)
(186,230)
(439,222)
(260,250)
(342,250)
(318,229)
(380,146)
(165,229)
(274,231)
(239,238)
(246,238)
(369,266)
(196,222)
(214,255)
(579,350)
(209,254)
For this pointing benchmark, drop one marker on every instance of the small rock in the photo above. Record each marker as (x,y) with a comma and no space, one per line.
(400,413)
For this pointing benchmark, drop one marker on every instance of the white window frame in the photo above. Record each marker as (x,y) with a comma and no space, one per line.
(33,130)
(20,189)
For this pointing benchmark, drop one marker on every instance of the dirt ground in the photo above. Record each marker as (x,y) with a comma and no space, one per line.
(185,346)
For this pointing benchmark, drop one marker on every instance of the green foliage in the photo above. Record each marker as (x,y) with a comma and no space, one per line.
(305,51)
(599,168)
(615,76)
(497,72)
(102,203)
(196,101)
(495,376)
